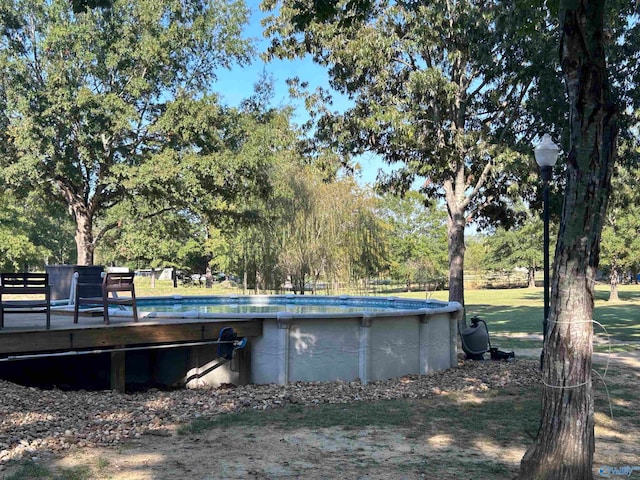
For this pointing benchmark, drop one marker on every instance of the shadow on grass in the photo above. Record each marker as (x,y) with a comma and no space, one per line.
(466,417)
(621,321)
(508,318)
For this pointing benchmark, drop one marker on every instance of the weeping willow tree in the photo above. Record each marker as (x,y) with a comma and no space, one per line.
(328,229)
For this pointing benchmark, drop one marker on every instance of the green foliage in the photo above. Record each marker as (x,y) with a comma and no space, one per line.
(520,247)
(32,233)
(90,96)
(142,239)
(437,89)
(620,242)
(475,254)
(417,240)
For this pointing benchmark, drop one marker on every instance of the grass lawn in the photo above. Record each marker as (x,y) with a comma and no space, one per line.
(516,313)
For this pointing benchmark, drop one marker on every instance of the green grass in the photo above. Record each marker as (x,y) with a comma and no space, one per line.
(30,470)
(616,347)
(520,310)
(355,415)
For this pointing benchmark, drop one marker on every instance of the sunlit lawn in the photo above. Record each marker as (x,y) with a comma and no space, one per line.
(520,311)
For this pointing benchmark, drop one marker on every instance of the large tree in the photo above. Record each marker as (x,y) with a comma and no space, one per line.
(85,93)
(437,89)
(565,443)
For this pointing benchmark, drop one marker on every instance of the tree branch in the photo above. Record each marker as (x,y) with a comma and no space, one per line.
(479,184)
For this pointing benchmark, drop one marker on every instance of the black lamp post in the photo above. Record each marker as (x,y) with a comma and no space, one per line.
(546,153)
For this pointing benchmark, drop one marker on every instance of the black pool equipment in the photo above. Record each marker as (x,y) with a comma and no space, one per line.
(475,342)
(228,342)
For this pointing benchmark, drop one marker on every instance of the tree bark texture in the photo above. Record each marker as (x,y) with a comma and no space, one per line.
(456,224)
(84,236)
(565,442)
(613,281)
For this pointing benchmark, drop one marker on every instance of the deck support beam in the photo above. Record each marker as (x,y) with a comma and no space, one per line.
(118,371)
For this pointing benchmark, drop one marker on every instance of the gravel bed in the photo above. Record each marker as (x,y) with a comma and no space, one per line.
(35,421)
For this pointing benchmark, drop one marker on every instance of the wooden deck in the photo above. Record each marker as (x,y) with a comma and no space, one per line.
(26,333)
(25,336)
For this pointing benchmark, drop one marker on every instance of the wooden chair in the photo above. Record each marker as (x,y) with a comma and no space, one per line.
(112,283)
(25,284)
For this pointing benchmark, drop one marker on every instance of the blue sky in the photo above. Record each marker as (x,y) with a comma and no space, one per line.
(237,84)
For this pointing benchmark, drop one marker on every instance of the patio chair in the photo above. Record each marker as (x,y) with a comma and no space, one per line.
(112,283)
(25,284)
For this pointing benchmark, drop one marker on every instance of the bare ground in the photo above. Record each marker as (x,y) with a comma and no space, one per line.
(107,435)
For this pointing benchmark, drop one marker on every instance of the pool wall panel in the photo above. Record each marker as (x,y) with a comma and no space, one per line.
(394,347)
(366,347)
(267,355)
(436,343)
(324,349)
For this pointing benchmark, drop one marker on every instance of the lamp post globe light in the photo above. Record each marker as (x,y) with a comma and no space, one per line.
(546,153)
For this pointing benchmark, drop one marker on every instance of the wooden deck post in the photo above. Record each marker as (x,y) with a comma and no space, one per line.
(118,371)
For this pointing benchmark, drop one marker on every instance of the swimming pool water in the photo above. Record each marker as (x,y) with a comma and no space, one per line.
(274,304)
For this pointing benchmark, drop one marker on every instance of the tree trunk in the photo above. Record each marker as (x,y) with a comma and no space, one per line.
(208,275)
(84,235)
(260,284)
(563,449)
(532,277)
(456,224)
(244,270)
(613,280)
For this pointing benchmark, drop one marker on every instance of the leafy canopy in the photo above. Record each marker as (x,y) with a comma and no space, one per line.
(88,93)
(439,88)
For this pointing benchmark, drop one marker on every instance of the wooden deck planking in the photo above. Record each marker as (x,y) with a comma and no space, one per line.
(27,333)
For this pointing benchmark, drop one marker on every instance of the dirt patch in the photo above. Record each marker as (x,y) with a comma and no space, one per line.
(453,433)
(314,454)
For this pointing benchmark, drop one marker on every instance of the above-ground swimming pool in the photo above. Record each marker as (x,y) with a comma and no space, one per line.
(325,338)
(203,306)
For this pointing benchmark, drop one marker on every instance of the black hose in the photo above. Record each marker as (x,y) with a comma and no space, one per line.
(487,329)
